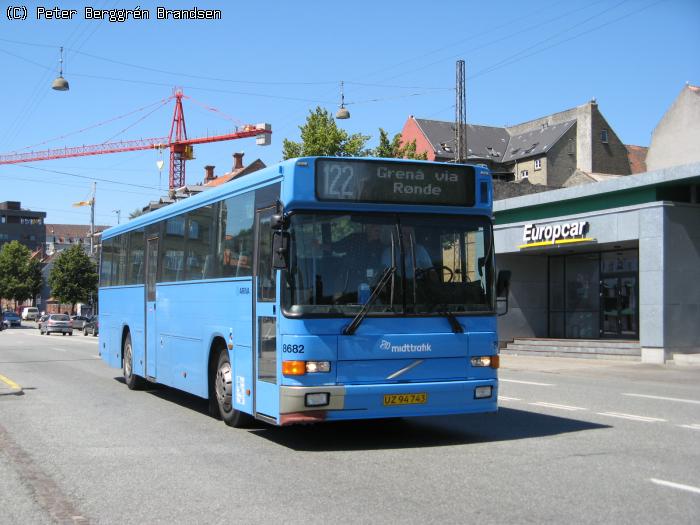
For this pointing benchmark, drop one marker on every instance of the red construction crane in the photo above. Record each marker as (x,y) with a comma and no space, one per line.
(180,146)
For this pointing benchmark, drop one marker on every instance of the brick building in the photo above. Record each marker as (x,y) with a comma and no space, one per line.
(545,151)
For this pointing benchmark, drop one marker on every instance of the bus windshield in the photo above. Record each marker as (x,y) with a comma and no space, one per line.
(443,264)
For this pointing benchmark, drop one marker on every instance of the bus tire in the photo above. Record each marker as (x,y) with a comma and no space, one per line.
(223,390)
(133,381)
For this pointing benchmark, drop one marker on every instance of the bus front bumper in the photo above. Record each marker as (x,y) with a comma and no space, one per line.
(301,404)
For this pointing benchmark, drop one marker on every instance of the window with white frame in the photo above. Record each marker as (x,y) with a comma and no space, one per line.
(538,164)
(523,174)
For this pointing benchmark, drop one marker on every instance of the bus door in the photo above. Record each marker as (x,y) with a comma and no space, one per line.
(265,320)
(150,324)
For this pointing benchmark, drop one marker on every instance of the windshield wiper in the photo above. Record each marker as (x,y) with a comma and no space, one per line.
(385,278)
(441,308)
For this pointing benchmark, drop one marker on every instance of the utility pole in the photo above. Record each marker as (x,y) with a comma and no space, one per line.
(461,152)
(92,219)
(119,214)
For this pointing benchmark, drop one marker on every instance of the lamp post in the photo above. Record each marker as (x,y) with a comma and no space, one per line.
(60,83)
(342,112)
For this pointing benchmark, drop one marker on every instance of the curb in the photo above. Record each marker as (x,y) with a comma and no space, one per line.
(687,360)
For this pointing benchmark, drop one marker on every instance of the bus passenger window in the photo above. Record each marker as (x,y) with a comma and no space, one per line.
(235,243)
(266,273)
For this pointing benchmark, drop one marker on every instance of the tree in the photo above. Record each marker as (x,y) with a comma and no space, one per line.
(321,136)
(136,213)
(395,150)
(20,274)
(74,277)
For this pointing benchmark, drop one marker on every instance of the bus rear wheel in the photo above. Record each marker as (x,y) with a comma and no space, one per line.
(133,381)
(223,390)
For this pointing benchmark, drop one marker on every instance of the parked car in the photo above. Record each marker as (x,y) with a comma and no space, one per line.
(79,321)
(92,326)
(57,323)
(11,319)
(30,313)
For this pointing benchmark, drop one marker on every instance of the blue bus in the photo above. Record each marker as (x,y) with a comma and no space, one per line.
(319,289)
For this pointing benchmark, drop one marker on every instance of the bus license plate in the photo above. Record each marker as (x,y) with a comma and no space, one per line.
(405,399)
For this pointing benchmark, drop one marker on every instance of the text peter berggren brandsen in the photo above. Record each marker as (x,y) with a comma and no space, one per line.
(124,15)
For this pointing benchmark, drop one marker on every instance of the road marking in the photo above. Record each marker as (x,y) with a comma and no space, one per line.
(554,405)
(506,398)
(665,398)
(59,349)
(525,382)
(695,426)
(631,416)
(673,485)
(82,339)
(9,382)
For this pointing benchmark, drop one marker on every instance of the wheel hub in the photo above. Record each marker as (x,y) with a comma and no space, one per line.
(127,361)
(223,386)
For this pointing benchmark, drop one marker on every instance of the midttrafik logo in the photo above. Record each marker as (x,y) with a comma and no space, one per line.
(406,347)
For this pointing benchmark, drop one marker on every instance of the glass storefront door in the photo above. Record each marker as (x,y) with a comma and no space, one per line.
(619,307)
(594,295)
(574,306)
(619,293)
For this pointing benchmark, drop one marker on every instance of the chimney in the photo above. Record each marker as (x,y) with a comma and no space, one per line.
(209,174)
(238,161)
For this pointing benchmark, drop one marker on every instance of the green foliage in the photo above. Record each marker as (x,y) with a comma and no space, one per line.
(320,136)
(395,150)
(20,275)
(74,276)
(135,213)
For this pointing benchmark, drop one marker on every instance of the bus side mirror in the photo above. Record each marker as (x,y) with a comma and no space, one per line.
(503,283)
(279,221)
(280,249)
(502,289)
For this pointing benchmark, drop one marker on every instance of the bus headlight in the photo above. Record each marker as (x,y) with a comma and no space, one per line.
(318,366)
(486,360)
(299,368)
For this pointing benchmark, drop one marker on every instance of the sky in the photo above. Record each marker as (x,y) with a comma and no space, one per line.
(275,61)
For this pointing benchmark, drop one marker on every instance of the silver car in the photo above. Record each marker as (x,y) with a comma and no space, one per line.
(57,323)
(79,321)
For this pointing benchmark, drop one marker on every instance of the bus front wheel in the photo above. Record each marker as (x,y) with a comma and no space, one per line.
(223,389)
(133,381)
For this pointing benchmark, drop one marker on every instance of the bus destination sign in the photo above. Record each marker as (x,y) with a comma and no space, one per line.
(394,182)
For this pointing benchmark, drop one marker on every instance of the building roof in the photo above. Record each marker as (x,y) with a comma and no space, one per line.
(483,142)
(256,165)
(637,156)
(536,142)
(598,196)
(70,231)
(493,143)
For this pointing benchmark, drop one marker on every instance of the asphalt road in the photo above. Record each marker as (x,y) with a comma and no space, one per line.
(575,441)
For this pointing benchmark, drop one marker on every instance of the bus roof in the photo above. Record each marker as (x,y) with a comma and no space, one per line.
(249,182)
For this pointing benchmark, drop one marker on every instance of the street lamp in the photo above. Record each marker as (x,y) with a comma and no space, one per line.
(60,83)
(342,112)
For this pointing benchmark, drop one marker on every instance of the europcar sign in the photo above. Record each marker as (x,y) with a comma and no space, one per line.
(567,233)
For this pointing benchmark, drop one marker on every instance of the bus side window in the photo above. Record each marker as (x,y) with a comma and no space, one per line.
(235,243)
(266,273)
